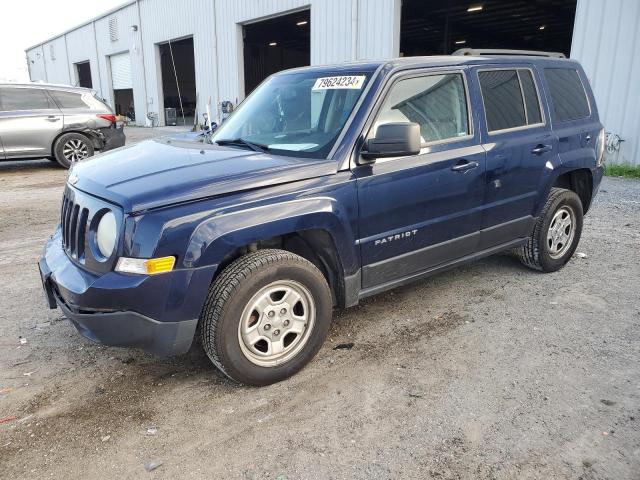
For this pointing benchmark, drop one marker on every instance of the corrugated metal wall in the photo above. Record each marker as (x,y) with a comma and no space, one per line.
(341,30)
(606,40)
(126,40)
(162,21)
(81,46)
(55,59)
(378,29)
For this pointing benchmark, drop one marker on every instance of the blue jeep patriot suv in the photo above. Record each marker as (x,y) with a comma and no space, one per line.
(327,185)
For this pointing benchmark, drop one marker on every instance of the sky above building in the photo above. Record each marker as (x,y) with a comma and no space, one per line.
(28,22)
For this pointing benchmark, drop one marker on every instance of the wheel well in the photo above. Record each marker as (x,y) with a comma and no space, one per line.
(89,136)
(580,182)
(315,245)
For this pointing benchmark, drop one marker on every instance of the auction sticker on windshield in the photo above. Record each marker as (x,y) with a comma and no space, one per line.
(347,81)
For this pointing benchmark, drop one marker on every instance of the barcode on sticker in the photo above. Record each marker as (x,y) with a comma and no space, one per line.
(348,81)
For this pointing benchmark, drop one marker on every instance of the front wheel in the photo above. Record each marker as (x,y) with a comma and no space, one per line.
(266,316)
(556,233)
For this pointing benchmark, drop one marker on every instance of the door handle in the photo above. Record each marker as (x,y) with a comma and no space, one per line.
(51,118)
(588,138)
(464,165)
(540,149)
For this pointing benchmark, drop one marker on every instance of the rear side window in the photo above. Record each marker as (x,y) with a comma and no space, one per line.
(438,103)
(14,99)
(568,98)
(510,99)
(531,100)
(68,99)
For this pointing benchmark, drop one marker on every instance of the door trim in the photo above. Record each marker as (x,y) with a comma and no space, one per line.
(432,256)
(419,260)
(517,228)
(367,292)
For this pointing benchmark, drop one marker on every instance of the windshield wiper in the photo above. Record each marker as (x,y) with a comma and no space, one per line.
(241,142)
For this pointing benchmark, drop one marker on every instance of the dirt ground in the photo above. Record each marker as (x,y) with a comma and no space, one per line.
(487,371)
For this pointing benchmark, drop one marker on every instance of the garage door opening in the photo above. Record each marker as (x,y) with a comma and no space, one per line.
(178,73)
(83,75)
(122,85)
(430,27)
(123,103)
(275,44)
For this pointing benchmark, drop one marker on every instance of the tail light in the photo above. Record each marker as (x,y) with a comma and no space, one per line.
(110,117)
(600,144)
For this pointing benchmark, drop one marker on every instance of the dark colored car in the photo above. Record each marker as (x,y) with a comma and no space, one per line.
(64,124)
(326,186)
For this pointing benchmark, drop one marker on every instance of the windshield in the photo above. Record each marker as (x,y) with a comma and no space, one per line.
(295,114)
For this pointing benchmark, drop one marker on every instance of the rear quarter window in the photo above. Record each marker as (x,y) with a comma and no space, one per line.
(69,99)
(568,97)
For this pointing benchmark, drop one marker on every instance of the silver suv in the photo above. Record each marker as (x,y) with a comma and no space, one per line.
(64,124)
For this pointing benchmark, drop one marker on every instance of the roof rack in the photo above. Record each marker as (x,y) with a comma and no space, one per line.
(498,51)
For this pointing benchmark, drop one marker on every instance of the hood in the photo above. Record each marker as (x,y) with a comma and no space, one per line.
(161,172)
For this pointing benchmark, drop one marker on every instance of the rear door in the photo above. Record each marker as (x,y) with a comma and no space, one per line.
(418,212)
(575,120)
(29,122)
(80,109)
(517,136)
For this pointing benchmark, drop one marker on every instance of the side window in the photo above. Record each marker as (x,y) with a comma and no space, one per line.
(502,98)
(510,99)
(13,99)
(68,99)
(568,98)
(437,103)
(531,99)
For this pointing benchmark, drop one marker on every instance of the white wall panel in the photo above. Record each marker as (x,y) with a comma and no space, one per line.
(81,47)
(229,16)
(56,62)
(37,68)
(378,29)
(606,40)
(128,40)
(341,30)
(164,20)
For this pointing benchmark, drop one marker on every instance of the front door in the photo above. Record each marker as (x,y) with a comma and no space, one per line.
(418,212)
(29,122)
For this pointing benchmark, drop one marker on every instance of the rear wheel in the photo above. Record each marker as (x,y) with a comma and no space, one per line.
(71,148)
(556,233)
(266,316)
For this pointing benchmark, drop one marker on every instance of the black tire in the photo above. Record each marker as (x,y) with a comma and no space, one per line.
(231,293)
(536,252)
(78,138)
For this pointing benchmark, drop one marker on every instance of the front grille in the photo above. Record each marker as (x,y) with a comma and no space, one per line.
(74,219)
(79,212)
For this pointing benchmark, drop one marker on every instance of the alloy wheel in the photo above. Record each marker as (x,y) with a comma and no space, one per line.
(75,150)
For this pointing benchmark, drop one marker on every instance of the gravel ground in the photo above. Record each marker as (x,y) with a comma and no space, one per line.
(487,371)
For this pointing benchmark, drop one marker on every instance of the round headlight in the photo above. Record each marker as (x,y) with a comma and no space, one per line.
(106,234)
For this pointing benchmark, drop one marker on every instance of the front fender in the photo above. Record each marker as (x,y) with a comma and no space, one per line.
(216,237)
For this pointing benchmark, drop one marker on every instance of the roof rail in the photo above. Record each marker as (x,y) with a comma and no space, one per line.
(498,51)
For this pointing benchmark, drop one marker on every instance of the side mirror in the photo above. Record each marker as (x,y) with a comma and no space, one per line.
(393,140)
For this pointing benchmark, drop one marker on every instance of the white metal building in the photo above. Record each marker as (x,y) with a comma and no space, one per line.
(147,55)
